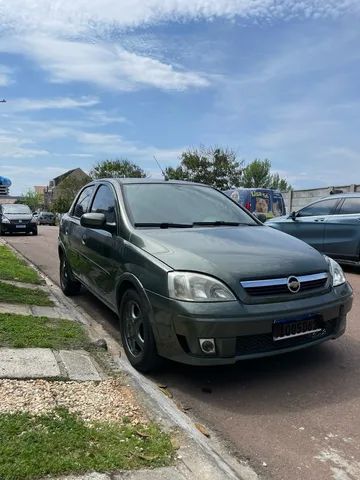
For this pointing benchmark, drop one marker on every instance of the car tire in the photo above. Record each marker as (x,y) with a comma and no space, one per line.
(137,334)
(68,284)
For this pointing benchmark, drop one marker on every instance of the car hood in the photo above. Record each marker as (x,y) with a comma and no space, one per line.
(18,216)
(244,252)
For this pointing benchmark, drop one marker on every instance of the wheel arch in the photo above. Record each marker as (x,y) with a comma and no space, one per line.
(129,281)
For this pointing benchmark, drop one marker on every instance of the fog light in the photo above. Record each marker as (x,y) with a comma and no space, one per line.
(207,345)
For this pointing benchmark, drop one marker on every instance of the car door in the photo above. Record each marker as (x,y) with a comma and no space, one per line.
(73,232)
(342,231)
(309,223)
(103,247)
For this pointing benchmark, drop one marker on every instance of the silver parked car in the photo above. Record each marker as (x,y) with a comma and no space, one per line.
(46,218)
(331,225)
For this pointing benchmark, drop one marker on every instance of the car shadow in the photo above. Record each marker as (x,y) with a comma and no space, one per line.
(315,376)
(325,374)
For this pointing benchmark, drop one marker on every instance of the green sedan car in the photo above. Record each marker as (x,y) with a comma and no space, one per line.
(196,278)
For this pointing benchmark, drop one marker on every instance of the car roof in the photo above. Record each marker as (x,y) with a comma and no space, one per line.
(251,189)
(339,195)
(128,181)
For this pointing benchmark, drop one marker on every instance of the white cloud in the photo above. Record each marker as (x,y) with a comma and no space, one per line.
(85,16)
(12,146)
(65,36)
(5,76)
(60,103)
(104,64)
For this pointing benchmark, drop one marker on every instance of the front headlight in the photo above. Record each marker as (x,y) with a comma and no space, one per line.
(194,287)
(5,220)
(336,272)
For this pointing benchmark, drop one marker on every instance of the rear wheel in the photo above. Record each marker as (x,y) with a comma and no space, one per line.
(136,333)
(68,284)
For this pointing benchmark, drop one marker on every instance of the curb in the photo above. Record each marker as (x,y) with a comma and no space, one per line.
(200,458)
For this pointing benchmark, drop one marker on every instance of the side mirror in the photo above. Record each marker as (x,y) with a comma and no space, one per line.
(93,220)
(261,216)
(293,215)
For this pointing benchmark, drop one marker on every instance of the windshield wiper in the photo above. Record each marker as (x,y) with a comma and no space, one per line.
(220,223)
(164,225)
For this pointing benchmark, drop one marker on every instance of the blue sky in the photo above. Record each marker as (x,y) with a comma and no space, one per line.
(90,80)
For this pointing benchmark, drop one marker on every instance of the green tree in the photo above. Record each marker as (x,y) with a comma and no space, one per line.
(117,168)
(257,174)
(33,199)
(214,166)
(65,193)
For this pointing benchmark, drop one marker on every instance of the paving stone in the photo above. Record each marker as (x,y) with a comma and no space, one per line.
(166,473)
(28,363)
(51,312)
(17,309)
(79,365)
(88,476)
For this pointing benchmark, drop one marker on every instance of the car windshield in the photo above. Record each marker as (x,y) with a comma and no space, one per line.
(175,205)
(15,209)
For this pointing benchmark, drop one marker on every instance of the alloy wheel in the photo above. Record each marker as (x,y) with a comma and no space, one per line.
(134,328)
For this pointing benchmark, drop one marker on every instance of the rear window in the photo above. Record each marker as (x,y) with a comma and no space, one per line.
(278,205)
(350,205)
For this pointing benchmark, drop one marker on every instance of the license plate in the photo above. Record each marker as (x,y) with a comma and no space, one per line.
(20,226)
(283,330)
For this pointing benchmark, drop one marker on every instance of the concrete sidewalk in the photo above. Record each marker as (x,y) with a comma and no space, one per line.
(21,363)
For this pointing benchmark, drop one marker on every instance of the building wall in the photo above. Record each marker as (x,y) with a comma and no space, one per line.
(52,191)
(299,198)
(7,199)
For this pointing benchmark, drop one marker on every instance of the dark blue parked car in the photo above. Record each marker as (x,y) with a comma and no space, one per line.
(331,225)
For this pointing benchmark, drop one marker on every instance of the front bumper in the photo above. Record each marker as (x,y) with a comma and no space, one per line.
(15,228)
(242,331)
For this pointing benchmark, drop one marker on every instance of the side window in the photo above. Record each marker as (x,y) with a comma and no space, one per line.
(83,201)
(104,202)
(350,205)
(325,207)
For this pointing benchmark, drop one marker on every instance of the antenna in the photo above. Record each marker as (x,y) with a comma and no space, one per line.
(162,171)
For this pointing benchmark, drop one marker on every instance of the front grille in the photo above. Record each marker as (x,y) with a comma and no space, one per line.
(252,344)
(18,222)
(278,286)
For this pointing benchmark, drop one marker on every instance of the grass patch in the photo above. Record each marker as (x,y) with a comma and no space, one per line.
(60,443)
(20,331)
(12,268)
(11,294)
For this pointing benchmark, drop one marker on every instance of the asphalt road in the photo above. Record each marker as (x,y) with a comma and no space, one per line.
(293,417)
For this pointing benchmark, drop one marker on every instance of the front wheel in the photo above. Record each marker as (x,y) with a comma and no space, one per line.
(68,284)
(136,333)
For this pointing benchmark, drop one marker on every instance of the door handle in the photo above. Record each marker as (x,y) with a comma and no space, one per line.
(83,239)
